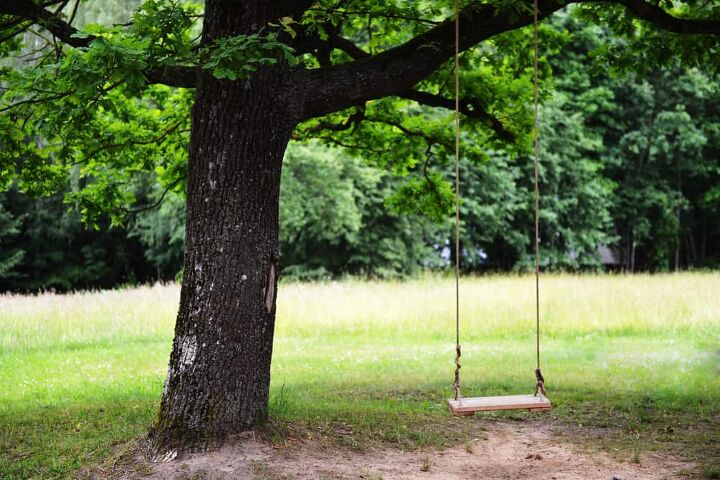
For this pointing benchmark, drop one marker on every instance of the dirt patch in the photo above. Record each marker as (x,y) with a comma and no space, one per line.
(502,451)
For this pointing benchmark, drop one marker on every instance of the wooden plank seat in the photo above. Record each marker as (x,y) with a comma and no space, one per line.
(470,405)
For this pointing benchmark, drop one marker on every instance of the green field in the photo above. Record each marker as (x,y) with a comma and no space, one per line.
(637,356)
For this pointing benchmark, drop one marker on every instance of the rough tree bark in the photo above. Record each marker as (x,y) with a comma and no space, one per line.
(219,372)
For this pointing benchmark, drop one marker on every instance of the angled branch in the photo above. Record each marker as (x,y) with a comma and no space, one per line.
(405,130)
(352,121)
(155,204)
(470,107)
(348,47)
(45,18)
(661,19)
(306,42)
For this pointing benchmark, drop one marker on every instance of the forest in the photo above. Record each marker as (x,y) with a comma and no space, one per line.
(630,181)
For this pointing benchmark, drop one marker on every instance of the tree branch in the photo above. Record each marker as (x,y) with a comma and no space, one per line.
(308,43)
(348,47)
(176,76)
(45,18)
(470,107)
(392,72)
(397,70)
(352,121)
(661,19)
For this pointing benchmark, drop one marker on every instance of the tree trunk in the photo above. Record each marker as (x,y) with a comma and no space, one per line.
(219,373)
(632,249)
(678,212)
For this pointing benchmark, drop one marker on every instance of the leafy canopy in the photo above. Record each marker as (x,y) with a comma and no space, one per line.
(93,118)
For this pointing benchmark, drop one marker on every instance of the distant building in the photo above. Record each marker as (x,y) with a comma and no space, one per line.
(608,257)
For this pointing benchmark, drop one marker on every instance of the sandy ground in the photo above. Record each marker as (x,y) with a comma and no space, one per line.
(504,451)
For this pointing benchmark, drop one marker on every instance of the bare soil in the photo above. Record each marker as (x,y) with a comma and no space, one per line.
(501,451)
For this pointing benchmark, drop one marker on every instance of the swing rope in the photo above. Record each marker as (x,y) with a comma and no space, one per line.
(457,201)
(540,385)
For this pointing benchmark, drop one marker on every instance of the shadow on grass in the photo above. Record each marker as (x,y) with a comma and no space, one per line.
(53,441)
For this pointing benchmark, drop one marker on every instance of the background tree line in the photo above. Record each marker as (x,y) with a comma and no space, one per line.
(630,162)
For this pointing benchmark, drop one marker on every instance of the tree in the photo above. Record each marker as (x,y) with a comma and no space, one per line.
(656,127)
(333,219)
(161,230)
(660,150)
(260,72)
(45,246)
(11,255)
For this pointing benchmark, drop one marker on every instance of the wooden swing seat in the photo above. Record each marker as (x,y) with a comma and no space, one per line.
(470,405)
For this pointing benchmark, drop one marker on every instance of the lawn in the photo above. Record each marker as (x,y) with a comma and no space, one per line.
(362,363)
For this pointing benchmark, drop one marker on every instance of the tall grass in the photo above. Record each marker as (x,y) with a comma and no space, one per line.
(504,307)
(50,320)
(491,307)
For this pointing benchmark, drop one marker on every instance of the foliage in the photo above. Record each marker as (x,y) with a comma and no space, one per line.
(239,56)
(96,122)
(161,231)
(629,153)
(50,248)
(659,150)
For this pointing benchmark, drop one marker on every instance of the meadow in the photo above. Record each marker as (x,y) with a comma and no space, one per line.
(364,363)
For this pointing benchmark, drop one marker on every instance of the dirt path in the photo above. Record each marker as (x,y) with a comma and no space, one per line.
(505,451)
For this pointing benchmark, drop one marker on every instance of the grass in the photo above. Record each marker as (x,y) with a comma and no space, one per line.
(635,359)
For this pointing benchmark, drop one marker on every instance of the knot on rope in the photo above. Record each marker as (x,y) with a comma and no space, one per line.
(456,384)
(540,385)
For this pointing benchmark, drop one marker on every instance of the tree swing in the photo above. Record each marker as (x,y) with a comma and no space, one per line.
(460,406)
